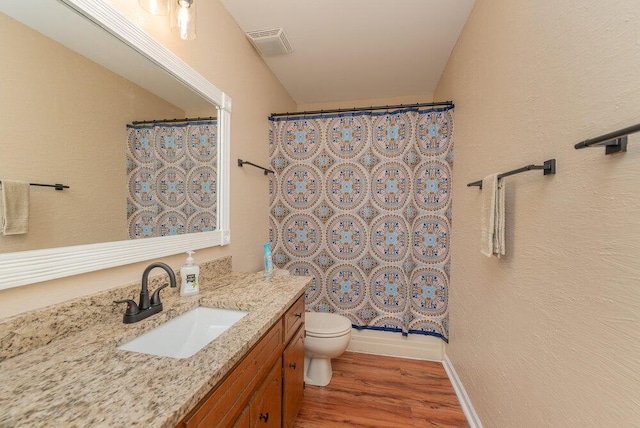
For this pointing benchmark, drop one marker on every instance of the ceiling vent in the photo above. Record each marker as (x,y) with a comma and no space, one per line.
(270,42)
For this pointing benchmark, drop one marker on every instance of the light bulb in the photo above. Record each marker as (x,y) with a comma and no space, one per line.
(183,19)
(183,23)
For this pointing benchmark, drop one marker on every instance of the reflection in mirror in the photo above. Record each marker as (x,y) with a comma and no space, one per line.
(172,177)
(66,119)
(57,131)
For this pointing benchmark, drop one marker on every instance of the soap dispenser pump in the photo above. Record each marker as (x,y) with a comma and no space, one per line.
(190,273)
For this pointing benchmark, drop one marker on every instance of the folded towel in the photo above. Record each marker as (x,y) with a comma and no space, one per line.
(14,207)
(492,221)
(500,219)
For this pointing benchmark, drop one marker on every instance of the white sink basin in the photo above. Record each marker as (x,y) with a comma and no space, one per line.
(186,334)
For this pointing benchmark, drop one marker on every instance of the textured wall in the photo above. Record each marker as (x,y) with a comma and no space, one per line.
(60,113)
(223,55)
(548,335)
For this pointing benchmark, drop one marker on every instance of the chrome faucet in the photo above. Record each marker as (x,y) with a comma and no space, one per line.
(148,306)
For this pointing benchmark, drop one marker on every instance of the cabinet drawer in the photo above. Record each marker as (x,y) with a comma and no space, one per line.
(224,404)
(293,318)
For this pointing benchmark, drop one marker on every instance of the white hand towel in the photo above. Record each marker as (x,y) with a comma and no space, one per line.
(14,209)
(492,216)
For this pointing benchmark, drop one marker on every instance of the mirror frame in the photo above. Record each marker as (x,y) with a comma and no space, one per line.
(27,267)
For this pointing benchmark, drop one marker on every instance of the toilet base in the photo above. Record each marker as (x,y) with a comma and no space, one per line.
(317,371)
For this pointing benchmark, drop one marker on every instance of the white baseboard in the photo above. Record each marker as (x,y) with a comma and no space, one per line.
(415,346)
(465,403)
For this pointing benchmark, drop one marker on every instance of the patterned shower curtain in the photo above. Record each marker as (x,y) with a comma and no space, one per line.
(361,202)
(172,178)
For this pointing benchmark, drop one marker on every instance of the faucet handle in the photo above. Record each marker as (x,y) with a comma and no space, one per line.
(132,307)
(155,297)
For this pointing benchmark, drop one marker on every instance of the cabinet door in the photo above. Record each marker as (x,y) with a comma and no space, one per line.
(293,385)
(243,420)
(266,405)
(223,405)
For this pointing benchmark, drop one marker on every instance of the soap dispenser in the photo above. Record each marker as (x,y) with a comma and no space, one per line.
(190,273)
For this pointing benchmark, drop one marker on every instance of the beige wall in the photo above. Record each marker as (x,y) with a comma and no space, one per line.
(63,120)
(223,55)
(549,335)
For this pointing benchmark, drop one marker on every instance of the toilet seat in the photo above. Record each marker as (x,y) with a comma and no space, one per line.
(326,324)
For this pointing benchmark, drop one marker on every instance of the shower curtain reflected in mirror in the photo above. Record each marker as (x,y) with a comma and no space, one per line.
(172,176)
(360,201)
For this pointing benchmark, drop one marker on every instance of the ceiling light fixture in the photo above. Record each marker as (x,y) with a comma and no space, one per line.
(183,19)
(155,7)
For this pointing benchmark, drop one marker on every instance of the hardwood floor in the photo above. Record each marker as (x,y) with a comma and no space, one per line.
(378,391)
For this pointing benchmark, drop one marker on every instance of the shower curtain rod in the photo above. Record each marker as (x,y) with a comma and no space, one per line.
(354,109)
(186,119)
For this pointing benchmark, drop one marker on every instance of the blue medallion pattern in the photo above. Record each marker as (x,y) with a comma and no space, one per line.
(389,290)
(346,286)
(202,186)
(392,134)
(302,268)
(348,136)
(346,237)
(300,138)
(434,132)
(301,235)
(431,239)
(170,187)
(429,290)
(301,186)
(142,187)
(347,185)
(391,185)
(361,203)
(141,224)
(432,185)
(390,238)
(172,173)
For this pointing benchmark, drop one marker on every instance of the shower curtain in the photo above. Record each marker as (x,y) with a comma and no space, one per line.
(361,203)
(172,178)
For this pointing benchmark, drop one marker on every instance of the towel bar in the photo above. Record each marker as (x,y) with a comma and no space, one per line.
(549,167)
(57,185)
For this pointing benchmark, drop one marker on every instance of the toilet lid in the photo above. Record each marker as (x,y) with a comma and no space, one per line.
(321,324)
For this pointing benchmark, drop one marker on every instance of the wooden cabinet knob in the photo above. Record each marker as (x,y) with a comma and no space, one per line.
(292,365)
(264,417)
(299,315)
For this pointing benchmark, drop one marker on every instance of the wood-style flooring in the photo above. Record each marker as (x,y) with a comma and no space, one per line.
(379,391)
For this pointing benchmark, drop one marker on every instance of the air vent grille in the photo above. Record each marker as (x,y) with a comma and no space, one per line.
(270,42)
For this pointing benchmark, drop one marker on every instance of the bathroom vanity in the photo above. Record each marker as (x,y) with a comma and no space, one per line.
(61,365)
(266,387)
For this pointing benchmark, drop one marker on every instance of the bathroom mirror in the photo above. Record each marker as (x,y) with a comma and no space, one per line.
(135,79)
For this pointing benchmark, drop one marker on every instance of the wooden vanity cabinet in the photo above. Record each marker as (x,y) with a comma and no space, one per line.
(266,404)
(293,378)
(244,420)
(293,362)
(265,389)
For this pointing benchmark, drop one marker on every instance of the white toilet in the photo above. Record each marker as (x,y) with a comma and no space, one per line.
(327,336)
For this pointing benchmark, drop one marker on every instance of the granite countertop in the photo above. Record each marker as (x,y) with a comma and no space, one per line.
(82,379)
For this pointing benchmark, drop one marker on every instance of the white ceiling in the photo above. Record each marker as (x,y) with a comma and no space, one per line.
(357,49)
